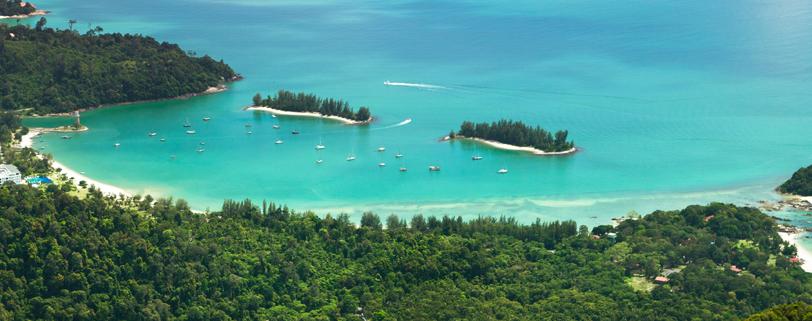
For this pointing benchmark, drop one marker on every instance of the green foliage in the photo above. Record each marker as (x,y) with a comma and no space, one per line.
(59,70)
(518,134)
(9,125)
(303,102)
(799,184)
(790,312)
(101,258)
(15,8)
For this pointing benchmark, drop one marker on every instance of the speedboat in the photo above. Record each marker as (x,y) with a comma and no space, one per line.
(279,142)
(434,168)
(66,137)
(502,171)
(152,134)
(272,115)
(275,126)
(387,83)
(116,145)
(249,132)
(381,149)
(381,164)
(403,169)
(201,149)
(163,140)
(206,118)
(295,132)
(476,157)
(191,132)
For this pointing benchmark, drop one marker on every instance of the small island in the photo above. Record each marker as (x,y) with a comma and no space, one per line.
(45,71)
(515,135)
(309,105)
(16,9)
(799,184)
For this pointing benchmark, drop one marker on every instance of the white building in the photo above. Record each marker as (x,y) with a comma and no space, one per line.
(10,173)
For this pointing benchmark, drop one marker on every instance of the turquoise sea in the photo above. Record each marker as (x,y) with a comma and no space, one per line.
(673,103)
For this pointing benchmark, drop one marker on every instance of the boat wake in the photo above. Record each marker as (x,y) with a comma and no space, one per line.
(413,85)
(403,123)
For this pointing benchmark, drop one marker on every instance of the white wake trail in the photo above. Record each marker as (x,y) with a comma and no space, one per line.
(403,123)
(413,85)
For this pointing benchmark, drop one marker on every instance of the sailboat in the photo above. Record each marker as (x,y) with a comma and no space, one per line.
(502,171)
(279,142)
(249,132)
(350,157)
(403,169)
(201,149)
(163,140)
(319,161)
(320,146)
(476,156)
(275,126)
(206,118)
(381,149)
(434,168)
(381,164)
(398,155)
(191,132)
(187,124)
(153,134)
(116,145)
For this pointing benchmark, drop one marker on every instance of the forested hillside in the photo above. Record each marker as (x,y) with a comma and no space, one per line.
(15,7)
(62,258)
(799,184)
(51,71)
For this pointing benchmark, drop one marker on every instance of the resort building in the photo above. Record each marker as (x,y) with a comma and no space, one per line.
(10,173)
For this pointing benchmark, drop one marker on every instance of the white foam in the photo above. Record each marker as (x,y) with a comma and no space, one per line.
(413,85)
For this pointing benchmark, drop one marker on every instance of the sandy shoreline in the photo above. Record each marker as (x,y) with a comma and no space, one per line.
(24,16)
(803,253)
(528,149)
(307,114)
(28,141)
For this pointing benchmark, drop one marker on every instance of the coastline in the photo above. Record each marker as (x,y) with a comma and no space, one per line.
(803,253)
(503,146)
(209,91)
(25,16)
(75,177)
(308,114)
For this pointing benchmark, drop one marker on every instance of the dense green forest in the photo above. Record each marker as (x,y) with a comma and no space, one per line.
(799,184)
(303,102)
(516,133)
(789,312)
(15,8)
(101,258)
(52,70)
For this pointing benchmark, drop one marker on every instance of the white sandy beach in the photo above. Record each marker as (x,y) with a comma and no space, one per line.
(803,253)
(106,189)
(307,114)
(533,150)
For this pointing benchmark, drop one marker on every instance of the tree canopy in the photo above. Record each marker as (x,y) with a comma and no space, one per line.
(799,184)
(789,312)
(62,257)
(518,134)
(304,102)
(53,71)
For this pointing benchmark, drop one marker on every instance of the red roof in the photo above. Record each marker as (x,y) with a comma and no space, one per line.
(795,259)
(661,279)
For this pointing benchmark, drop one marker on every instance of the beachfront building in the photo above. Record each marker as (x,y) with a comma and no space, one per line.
(10,173)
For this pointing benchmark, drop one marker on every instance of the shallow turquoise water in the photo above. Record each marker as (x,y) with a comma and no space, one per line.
(672,103)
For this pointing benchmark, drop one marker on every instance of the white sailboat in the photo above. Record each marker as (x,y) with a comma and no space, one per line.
(381,149)
(187,124)
(320,146)
(381,164)
(191,132)
(350,157)
(153,134)
(398,155)
(275,126)
(319,161)
(206,118)
(279,142)
(502,171)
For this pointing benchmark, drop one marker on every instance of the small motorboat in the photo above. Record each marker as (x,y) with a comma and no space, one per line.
(476,157)
(201,149)
(248,125)
(191,132)
(206,118)
(249,132)
(403,169)
(398,155)
(279,142)
(295,132)
(275,126)
(502,171)
(116,145)
(202,143)
(153,134)
(350,158)
(272,115)
(434,168)
(320,147)
(381,164)
(163,140)
(381,149)
(66,137)
(319,161)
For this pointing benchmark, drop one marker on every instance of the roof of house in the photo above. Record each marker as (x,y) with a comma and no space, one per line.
(8,170)
(661,279)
